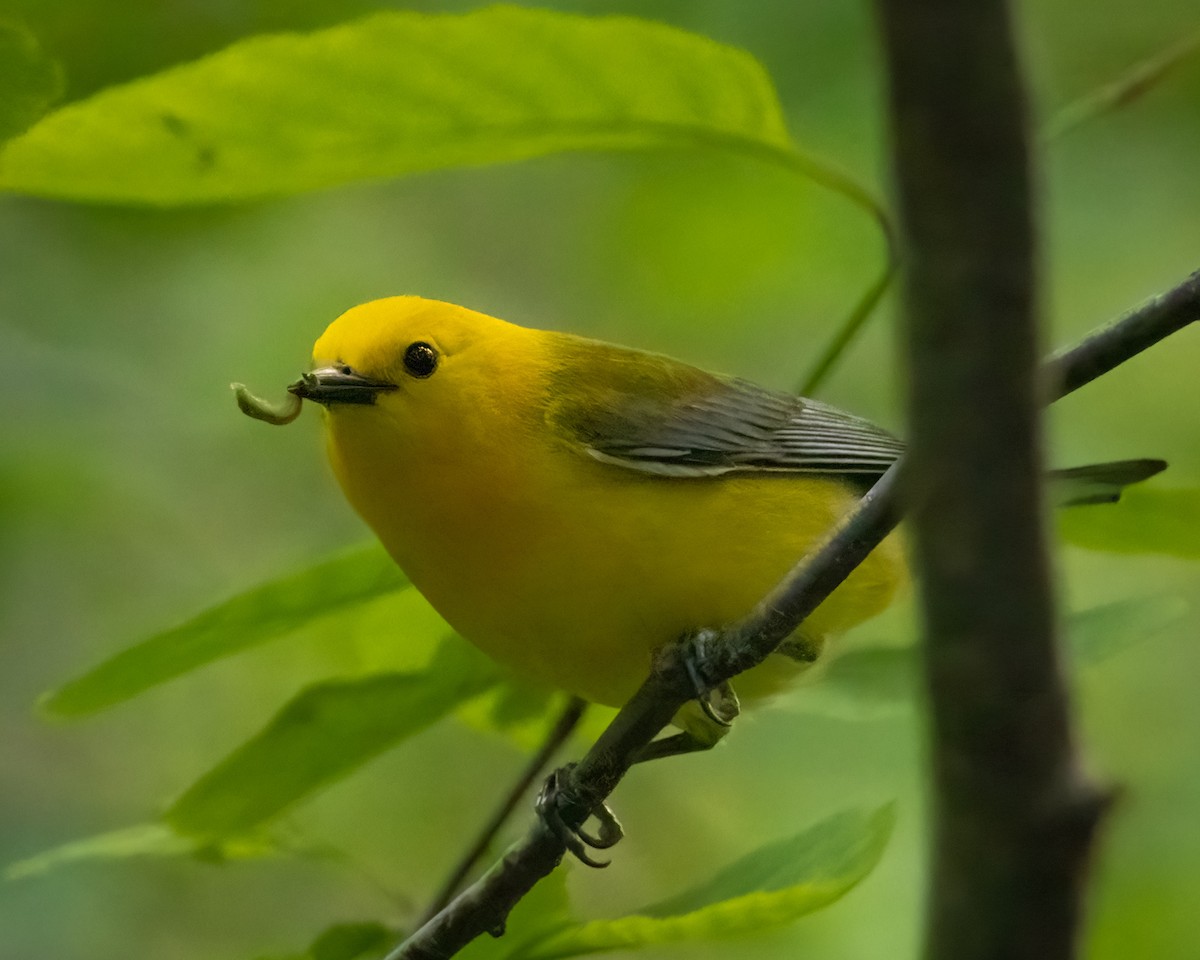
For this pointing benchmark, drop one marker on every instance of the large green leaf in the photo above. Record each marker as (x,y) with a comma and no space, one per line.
(1146,520)
(324,733)
(262,613)
(143,840)
(774,885)
(395,93)
(29,80)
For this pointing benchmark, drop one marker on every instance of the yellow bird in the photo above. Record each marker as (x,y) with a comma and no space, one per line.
(569,505)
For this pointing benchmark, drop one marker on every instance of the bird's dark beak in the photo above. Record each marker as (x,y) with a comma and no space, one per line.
(338,384)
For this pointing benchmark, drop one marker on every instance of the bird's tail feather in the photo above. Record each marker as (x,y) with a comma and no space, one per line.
(1100,482)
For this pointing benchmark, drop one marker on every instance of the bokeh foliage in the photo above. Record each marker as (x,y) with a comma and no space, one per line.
(135,495)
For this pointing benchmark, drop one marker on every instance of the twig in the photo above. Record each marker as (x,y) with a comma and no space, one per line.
(845,335)
(563,727)
(1134,84)
(484,905)
(1110,346)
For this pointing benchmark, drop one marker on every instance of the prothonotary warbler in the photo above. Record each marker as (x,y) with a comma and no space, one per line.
(569,505)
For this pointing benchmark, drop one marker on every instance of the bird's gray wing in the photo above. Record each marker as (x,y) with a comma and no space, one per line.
(720,425)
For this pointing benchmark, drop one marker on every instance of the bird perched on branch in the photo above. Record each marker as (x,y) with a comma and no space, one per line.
(569,505)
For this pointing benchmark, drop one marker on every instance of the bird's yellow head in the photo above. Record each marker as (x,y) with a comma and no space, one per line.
(409,356)
(395,346)
(430,408)
(406,376)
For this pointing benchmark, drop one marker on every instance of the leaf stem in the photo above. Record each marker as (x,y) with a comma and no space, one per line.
(845,335)
(833,177)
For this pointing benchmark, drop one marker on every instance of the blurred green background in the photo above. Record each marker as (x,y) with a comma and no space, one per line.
(134,494)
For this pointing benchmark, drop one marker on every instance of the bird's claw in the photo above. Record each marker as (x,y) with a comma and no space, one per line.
(553,796)
(610,833)
(718,701)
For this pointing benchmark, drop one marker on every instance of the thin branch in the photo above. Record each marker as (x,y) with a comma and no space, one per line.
(483,907)
(1110,346)
(1134,84)
(563,727)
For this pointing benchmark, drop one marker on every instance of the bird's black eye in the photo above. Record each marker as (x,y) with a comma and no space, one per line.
(420,359)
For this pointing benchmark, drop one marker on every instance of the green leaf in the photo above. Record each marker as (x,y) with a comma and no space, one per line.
(29,80)
(396,93)
(260,614)
(321,735)
(143,840)
(351,941)
(524,714)
(1145,520)
(520,712)
(865,683)
(772,886)
(347,941)
(869,683)
(1098,633)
